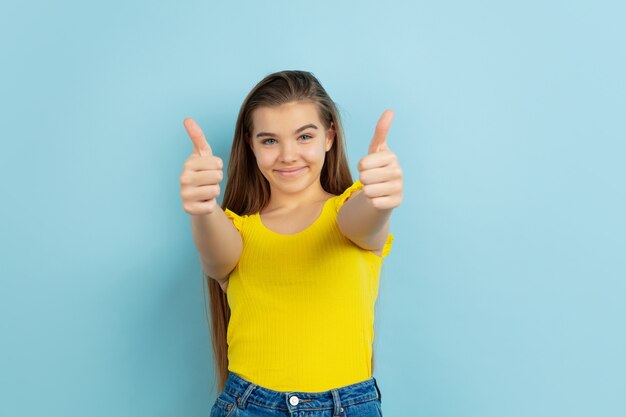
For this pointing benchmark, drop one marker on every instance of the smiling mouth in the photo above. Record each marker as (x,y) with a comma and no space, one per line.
(290,172)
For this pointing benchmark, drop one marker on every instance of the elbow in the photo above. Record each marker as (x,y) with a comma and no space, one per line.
(220,273)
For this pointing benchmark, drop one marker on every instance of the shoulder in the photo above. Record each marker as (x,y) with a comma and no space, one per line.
(237,220)
(349,192)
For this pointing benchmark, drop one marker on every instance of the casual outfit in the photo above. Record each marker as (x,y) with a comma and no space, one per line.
(302,318)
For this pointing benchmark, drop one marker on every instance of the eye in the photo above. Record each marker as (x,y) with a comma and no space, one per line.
(308,136)
(264,142)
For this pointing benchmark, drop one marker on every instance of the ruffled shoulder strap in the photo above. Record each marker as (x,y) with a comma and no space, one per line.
(387,246)
(340,199)
(236,219)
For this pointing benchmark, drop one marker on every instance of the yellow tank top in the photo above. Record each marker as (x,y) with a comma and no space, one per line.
(302,305)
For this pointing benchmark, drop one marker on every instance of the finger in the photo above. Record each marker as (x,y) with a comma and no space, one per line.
(376,160)
(201,178)
(198,163)
(387,202)
(382,189)
(379,141)
(378,175)
(200,145)
(208,177)
(205,192)
(204,205)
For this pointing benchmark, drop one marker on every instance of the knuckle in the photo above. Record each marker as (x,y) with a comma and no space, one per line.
(189,208)
(190,163)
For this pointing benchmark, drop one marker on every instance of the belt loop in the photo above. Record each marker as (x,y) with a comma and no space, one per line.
(337,408)
(241,401)
(380,397)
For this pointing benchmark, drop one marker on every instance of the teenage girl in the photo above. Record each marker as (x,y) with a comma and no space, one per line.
(292,257)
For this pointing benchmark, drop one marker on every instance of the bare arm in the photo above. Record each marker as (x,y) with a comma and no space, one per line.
(363,224)
(217,239)
(364,217)
(218,242)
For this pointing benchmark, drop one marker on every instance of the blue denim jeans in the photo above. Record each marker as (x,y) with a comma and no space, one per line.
(242,398)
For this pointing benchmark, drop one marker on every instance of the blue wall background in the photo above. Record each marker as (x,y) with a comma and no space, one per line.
(504,292)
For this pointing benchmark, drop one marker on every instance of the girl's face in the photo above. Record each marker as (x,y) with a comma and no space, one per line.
(290,145)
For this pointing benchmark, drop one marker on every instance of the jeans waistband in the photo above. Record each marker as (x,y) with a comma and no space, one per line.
(245,391)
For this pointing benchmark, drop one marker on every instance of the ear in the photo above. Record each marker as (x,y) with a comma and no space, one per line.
(330,137)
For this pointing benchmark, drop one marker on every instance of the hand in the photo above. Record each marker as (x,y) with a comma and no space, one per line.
(202,172)
(379,171)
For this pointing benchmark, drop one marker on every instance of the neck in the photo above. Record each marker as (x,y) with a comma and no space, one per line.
(282,199)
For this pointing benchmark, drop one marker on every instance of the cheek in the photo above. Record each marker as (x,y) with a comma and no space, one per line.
(264,159)
(315,154)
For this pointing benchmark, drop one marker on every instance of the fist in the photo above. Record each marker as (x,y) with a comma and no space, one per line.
(202,173)
(379,171)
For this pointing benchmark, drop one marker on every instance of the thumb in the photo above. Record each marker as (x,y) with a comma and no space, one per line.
(200,145)
(379,141)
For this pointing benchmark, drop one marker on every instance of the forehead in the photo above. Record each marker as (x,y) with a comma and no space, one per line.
(286,117)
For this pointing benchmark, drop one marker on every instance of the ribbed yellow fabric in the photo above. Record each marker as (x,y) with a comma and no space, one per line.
(302,305)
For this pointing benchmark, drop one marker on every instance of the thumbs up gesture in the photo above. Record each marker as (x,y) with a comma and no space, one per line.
(202,172)
(379,171)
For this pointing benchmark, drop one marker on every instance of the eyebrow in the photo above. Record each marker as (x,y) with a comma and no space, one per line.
(310,125)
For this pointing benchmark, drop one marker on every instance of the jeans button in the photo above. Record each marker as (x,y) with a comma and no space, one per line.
(294,400)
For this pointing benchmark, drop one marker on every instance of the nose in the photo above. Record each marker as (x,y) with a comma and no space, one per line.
(288,151)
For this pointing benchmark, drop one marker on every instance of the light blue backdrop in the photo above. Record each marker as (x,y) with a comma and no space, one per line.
(504,294)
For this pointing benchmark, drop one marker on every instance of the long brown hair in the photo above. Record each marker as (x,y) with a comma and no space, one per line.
(248,192)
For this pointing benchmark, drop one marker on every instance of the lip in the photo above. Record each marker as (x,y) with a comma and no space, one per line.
(290,172)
